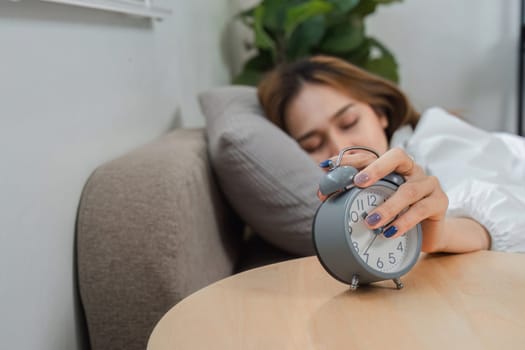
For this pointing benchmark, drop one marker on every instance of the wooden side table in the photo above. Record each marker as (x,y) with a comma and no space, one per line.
(467,301)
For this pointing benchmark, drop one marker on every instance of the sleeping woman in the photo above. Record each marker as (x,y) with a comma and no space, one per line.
(466,186)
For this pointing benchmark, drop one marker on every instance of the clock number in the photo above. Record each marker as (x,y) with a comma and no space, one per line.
(391,258)
(356,246)
(354,216)
(360,204)
(400,246)
(349,229)
(372,200)
(380,263)
(367,256)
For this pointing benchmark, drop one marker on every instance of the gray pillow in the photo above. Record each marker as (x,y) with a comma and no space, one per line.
(268,179)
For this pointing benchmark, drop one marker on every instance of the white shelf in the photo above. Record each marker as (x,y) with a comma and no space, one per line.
(141,8)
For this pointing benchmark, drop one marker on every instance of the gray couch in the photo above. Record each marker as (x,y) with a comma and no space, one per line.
(152,228)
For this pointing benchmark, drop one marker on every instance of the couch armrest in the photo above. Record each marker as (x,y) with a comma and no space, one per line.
(152,228)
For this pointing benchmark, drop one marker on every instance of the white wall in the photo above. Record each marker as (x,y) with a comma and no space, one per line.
(461,55)
(79,87)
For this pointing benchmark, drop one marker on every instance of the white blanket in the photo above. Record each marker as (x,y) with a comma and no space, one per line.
(483,173)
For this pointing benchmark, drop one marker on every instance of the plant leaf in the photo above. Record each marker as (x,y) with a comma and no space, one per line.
(247,77)
(287,30)
(344,6)
(385,65)
(359,56)
(344,37)
(254,68)
(365,8)
(384,2)
(262,39)
(300,13)
(275,14)
(384,50)
(307,35)
(261,62)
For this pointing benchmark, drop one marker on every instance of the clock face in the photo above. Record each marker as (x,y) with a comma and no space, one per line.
(379,253)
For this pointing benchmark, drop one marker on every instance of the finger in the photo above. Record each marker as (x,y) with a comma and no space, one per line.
(322,197)
(408,194)
(358,160)
(394,160)
(414,215)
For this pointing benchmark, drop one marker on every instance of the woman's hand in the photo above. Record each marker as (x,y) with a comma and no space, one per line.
(419,200)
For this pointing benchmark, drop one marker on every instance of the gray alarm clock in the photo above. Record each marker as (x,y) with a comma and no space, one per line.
(347,249)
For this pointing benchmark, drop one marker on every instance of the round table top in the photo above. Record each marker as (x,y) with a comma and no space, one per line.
(473,301)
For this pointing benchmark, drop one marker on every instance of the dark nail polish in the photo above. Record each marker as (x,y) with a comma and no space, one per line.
(326,163)
(361,178)
(373,219)
(389,232)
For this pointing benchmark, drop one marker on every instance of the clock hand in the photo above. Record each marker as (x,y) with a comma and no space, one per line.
(373,239)
(377,232)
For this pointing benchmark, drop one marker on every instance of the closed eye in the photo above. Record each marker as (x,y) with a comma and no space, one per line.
(312,144)
(348,123)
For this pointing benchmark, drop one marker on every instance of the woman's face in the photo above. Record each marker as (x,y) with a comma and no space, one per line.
(324,120)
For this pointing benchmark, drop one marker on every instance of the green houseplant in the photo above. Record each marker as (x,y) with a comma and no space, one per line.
(285,30)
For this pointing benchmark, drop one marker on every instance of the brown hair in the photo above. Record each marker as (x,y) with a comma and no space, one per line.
(280,86)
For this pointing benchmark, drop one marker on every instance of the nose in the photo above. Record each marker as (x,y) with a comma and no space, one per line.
(336,142)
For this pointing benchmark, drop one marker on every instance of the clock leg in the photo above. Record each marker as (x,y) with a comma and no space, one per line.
(355,282)
(399,284)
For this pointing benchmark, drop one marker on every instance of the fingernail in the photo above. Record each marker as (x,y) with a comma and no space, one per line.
(361,178)
(389,232)
(373,219)
(326,163)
